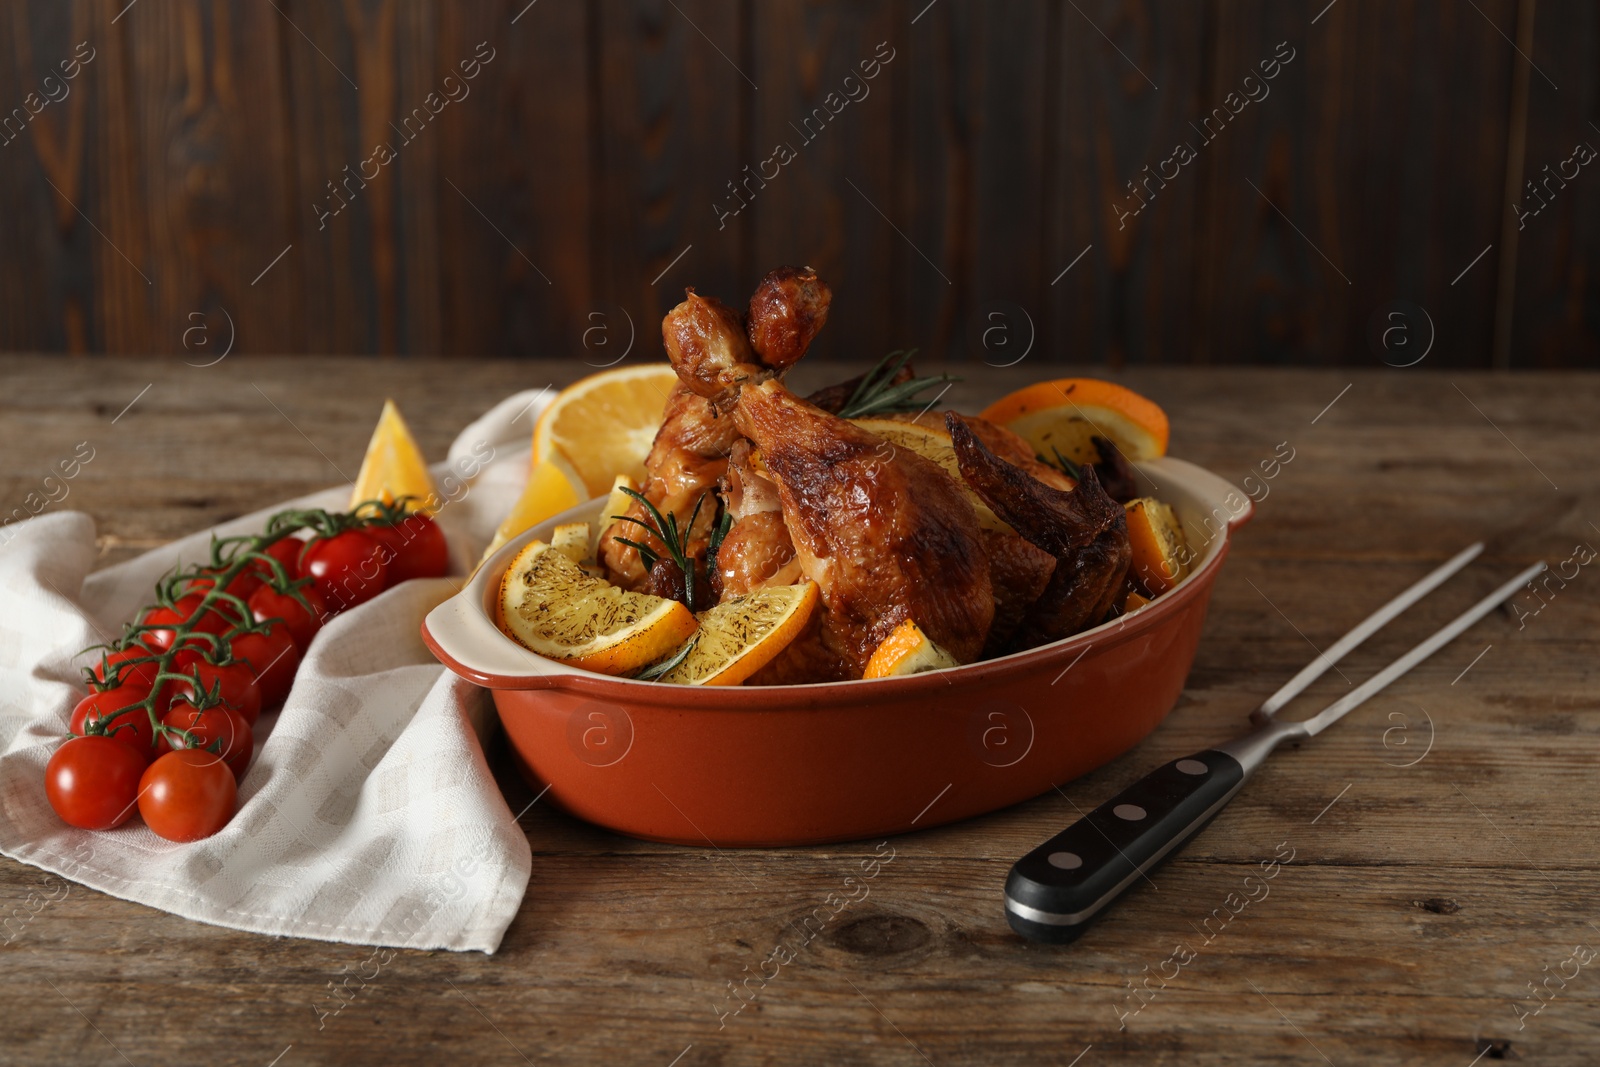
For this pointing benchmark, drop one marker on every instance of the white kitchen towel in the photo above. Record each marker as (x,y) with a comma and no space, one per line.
(368,815)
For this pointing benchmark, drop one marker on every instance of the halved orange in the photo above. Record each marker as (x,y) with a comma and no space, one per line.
(604,425)
(907,650)
(550,606)
(743,634)
(1065,414)
(393,466)
(552,488)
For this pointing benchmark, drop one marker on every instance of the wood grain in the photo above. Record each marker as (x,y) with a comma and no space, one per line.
(833,206)
(1004,141)
(670,98)
(517,275)
(1555,311)
(1420,902)
(1340,193)
(1129,83)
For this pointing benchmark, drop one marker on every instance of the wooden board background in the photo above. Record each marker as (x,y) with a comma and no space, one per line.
(564,202)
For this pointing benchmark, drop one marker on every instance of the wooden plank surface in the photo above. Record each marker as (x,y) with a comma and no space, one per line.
(1556,308)
(946,197)
(670,105)
(1336,195)
(1420,902)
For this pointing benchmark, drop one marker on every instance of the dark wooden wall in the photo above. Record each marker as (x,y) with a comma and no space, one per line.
(571,194)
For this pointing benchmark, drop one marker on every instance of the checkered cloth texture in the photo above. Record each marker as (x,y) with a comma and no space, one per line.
(368,816)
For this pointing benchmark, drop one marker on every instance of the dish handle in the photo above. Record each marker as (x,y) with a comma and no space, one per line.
(466,642)
(1227,501)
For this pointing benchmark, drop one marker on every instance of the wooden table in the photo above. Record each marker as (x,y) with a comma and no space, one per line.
(1445,837)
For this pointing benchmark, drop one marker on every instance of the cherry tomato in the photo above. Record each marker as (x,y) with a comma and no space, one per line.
(92,782)
(348,568)
(235,684)
(418,548)
(143,673)
(274,659)
(216,723)
(213,621)
(187,794)
(267,603)
(130,728)
(243,584)
(286,552)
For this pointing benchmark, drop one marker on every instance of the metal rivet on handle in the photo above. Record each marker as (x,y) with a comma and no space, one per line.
(1192,766)
(1129,812)
(1067,861)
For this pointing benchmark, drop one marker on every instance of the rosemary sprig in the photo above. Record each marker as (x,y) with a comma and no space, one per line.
(1064,465)
(878,392)
(656,670)
(666,531)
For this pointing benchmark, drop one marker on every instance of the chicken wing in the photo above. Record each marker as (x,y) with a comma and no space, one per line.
(885,534)
(1084,529)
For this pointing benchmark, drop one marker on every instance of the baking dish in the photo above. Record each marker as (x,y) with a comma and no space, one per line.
(806,764)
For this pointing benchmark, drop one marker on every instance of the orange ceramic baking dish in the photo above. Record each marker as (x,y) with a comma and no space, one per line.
(806,764)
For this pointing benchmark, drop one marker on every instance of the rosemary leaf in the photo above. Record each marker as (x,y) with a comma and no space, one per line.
(879,393)
(656,670)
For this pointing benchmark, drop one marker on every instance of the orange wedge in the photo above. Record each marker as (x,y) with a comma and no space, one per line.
(552,488)
(550,606)
(1160,551)
(604,424)
(1064,415)
(572,540)
(616,504)
(907,650)
(394,467)
(741,635)
(1134,602)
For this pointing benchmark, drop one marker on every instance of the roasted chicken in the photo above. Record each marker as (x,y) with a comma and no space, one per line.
(1012,553)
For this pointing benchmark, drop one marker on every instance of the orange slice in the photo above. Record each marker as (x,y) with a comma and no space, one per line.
(907,650)
(604,424)
(741,635)
(550,606)
(1065,414)
(552,488)
(1133,602)
(1160,551)
(393,466)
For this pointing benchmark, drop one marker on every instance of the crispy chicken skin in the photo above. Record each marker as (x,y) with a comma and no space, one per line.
(1018,572)
(689,456)
(787,310)
(885,534)
(1084,529)
(1116,474)
(1011,447)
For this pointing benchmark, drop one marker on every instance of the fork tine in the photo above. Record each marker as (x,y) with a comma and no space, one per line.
(1363,630)
(1333,712)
